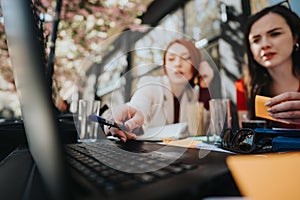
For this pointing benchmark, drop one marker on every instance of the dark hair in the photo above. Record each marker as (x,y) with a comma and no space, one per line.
(194,53)
(259,79)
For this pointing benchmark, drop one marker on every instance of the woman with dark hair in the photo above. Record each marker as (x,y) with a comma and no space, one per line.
(272,51)
(163,100)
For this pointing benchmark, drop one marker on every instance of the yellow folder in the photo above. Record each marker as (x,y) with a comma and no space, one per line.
(267,176)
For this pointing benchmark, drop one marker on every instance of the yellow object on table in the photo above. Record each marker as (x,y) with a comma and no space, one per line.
(187,143)
(267,176)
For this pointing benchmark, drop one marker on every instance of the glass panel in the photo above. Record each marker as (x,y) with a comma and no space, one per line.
(257,5)
(151,58)
(202,19)
(111,79)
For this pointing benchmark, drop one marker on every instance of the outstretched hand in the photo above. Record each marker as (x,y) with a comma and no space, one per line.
(127,115)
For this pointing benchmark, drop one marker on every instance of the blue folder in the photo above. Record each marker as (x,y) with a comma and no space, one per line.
(282,139)
(282,143)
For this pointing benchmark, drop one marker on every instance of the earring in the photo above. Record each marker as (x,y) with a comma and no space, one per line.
(196,80)
(297,47)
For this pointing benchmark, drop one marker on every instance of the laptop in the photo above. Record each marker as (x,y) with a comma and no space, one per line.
(104,169)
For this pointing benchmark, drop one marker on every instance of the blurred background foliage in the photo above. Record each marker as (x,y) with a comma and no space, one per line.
(83,25)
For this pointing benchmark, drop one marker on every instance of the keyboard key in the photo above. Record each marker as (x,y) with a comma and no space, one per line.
(144,178)
(161,173)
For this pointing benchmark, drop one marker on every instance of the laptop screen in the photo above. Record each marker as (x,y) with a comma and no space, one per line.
(26,50)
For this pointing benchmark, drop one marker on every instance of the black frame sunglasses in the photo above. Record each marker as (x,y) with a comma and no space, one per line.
(285,3)
(245,141)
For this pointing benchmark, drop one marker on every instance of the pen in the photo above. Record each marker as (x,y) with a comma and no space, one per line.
(107,122)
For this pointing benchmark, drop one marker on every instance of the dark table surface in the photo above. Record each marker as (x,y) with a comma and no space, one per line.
(222,184)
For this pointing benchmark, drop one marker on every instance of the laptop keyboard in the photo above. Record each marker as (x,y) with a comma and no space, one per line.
(112,168)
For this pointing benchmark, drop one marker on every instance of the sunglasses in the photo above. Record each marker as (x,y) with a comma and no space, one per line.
(245,141)
(285,3)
